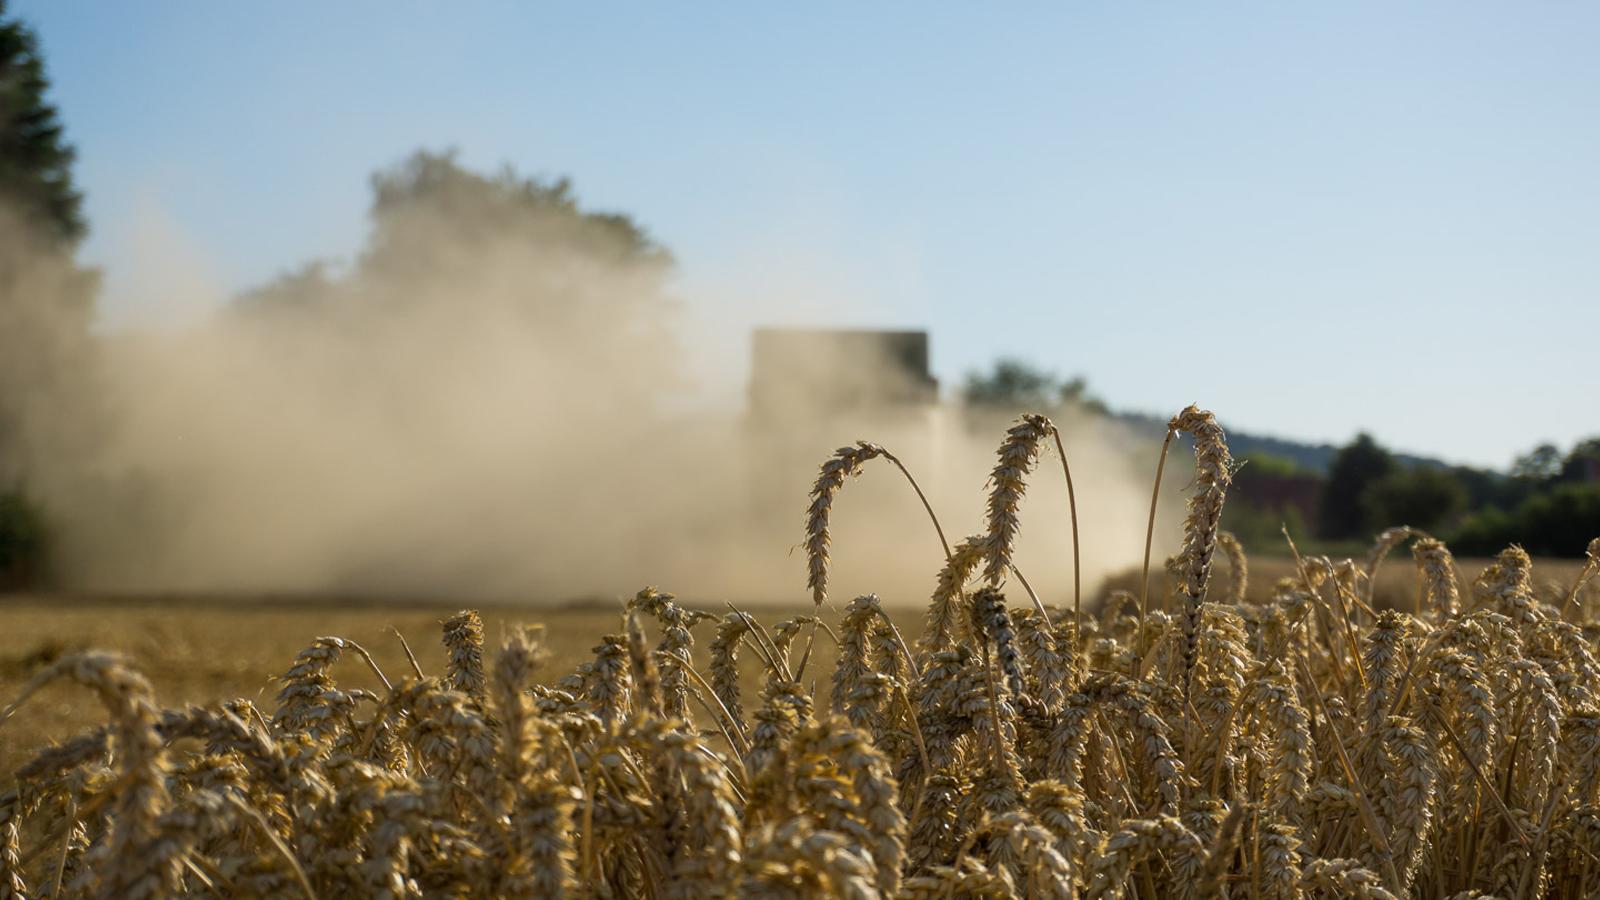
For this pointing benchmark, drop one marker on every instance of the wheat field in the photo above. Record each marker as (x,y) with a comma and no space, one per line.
(1333,728)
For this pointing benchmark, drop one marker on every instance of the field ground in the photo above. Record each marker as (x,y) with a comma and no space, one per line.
(199,652)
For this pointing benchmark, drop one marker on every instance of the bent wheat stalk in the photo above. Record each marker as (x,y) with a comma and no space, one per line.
(1149,539)
(1072,509)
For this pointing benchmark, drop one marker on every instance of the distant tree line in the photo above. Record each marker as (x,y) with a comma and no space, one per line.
(1549,501)
(1014,385)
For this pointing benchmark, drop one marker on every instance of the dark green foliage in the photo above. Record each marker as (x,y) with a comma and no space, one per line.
(1550,505)
(1488,488)
(1557,522)
(23,540)
(1260,530)
(35,159)
(1423,497)
(1013,383)
(1265,465)
(1582,465)
(1359,465)
(1540,463)
(1015,386)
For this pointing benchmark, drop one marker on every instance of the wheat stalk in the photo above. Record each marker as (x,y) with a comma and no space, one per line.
(1007,484)
(846,461)
(1213,471)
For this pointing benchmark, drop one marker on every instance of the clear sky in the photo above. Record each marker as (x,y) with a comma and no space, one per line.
(1311,218)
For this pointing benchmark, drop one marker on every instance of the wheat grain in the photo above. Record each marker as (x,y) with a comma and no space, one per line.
(1437,569)
(992,624)
(946,615)
(463,638)
(1345,877)
(1017,454)
(1130,845)
(1407,797)
(846,461)
(725,663)
(1238,562)
(1385,665)
(1213,471)
(1287,727)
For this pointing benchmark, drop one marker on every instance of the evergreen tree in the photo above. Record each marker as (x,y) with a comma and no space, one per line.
(35,159)
(46,299)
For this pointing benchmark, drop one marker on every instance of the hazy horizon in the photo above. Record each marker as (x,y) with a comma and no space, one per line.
(1314,221)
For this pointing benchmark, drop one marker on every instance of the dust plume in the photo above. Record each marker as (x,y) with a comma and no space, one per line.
(47,369)
(478,408)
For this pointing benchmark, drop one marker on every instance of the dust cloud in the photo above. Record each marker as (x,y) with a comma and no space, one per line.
(480,408)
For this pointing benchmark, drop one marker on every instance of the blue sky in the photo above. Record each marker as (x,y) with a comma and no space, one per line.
(1312,219)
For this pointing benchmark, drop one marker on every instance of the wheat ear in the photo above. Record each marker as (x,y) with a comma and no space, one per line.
(1389,539)
(1234,551)
(1016,456)
(846,461)
(1213,471)
(1345,878)
(1437,572)
(945,616)
(463,638)
(675,648)
(646,681)
(851,674)
(725,664)
(1130,845)
(520,656)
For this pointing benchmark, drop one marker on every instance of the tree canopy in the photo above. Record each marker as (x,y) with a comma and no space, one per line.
(459,265)
(1015,385)
(35,158)
(1357,466)
(1426,497)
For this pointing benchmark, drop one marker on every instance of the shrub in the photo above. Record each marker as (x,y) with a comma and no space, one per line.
(23,540)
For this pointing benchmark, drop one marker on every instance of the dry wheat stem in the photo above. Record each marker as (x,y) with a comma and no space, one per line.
(1149,539)
(1072,510)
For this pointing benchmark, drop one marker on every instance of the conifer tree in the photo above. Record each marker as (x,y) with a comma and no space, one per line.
(46,299)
